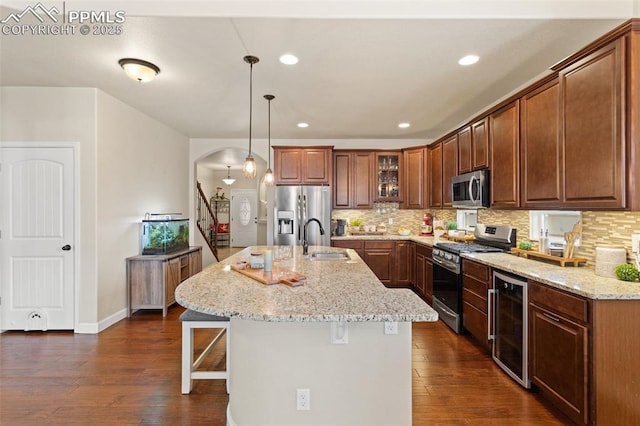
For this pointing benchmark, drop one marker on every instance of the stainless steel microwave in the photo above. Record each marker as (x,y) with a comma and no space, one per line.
(471,190)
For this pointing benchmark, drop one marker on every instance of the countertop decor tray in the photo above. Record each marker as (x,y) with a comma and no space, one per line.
(367,233)
(563,261)
(276,276)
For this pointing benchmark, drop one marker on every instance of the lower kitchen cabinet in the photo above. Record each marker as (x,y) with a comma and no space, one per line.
(356,245)
(423,283)
(152,279)
(380,257)
(559,349)
(476,280)
(403,263)
(391,261)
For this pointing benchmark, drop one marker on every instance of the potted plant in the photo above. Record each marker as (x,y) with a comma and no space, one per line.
(451,228)
(355,224)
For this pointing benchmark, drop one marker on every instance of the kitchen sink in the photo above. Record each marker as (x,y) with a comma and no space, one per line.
(329,255)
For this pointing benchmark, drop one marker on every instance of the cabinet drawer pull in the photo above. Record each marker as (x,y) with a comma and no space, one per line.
(551,317)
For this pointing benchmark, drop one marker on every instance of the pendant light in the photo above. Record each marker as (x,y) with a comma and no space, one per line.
(249,166)
(228,180)
(268,176)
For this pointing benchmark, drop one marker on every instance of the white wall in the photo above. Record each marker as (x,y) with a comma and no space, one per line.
(129,164)
(142,167)
(45,114)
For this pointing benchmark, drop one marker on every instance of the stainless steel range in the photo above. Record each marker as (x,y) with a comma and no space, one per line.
(447,268)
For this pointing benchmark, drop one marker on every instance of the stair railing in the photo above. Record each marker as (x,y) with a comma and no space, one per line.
(206,221)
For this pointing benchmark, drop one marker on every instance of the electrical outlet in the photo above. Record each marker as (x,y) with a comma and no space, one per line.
(303,399)
(635,241)
(390,221)
(390,327)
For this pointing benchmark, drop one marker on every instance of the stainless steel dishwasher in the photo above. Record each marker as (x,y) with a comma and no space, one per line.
(508,325)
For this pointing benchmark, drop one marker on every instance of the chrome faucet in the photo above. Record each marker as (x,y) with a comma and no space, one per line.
(305,245)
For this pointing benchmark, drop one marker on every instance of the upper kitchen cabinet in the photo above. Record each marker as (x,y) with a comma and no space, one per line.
(415,178)
(473,147)
(353,179)
(541,152)
(504,126)
(389,176)
(449,168)
(480,144)
(302,165)
(434,169)
(592,93)
(442,166)
(464,150)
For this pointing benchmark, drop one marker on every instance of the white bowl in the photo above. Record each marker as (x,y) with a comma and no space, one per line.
(404,233)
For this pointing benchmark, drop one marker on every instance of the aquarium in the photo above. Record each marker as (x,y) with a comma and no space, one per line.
(162,236)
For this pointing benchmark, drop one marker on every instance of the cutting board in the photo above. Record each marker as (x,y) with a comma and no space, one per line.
(276,276)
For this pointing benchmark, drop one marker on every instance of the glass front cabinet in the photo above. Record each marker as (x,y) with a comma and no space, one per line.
(389,169)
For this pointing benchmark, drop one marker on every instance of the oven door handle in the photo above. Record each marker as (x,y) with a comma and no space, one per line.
(490,324)
(446,309)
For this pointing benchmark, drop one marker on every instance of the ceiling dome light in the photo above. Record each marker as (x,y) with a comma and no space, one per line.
(404,125)
(468,60)
(139,70)
(303,125)
(289,59)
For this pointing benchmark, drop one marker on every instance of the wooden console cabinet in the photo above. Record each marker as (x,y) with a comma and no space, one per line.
(152,279)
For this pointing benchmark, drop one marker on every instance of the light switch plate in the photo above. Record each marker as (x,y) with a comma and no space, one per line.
(635,240)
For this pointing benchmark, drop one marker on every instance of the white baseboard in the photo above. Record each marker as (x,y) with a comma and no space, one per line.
(95,328)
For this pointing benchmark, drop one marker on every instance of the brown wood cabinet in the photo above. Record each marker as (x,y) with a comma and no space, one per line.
(541,153)
(152,279)
(504,131)
(353,179)
(434,169)
(391,261)
(559,349)
(449,168)
(388,183)
(415,178)
(480,144)
(403,263)
(593,104)
(476,281)
(302,165)
(442,166)
(423,283)
(464,150)
(380,257)
(356,245)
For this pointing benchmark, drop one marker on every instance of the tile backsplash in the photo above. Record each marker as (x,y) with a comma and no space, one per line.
(599,228)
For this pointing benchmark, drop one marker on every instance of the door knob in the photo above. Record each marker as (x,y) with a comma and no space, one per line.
(66,247)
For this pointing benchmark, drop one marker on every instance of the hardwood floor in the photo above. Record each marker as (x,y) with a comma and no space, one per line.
(130,375)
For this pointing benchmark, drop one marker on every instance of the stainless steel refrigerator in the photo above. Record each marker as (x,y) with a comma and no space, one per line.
(293,206)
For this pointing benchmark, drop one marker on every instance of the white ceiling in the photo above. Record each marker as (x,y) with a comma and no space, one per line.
(356,79)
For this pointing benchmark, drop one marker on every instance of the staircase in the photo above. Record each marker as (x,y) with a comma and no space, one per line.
(206,221)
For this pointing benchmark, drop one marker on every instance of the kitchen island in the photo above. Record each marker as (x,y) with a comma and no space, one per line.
(342,335)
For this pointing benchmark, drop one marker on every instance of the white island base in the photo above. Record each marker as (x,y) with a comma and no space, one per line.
(366,381)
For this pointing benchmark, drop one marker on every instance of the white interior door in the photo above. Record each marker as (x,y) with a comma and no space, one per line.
(37,237)
(244,217)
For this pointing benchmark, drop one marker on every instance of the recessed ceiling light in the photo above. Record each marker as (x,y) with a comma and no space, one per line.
(468,60)
(303,125)
(404,125)
(289,59)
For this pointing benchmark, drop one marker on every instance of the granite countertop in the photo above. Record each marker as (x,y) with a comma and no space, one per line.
(578,280)
(334,291)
